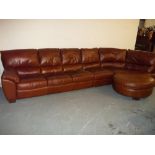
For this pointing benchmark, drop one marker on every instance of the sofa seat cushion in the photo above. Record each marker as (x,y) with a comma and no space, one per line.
(33,82)
(81,76)
(100,73)
(28,71)
(59,79)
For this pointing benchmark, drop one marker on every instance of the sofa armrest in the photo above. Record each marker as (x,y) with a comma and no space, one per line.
(11,75)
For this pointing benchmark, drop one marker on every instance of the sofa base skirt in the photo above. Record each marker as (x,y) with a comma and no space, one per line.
(69,87)
(31,93)
(81,85)
(59,88)
(101,82)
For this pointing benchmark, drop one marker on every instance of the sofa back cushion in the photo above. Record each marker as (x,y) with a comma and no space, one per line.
(90,58)
(25,61)
(71,59)
(20,58)
(112,57)
(50,60)
(140,60)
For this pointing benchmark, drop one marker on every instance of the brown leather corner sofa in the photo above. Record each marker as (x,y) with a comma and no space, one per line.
(35,72)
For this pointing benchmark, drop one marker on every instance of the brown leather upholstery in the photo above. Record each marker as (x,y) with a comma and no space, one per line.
(140,60)
(60,88)
(134,85)
(100,73)
(11,75)
(50,60)
(90,58)
(33,82)
(101,76)
(32,92)
(28,71)
(59,79)
(9,89)
(32,72)
(135,81)
(71,59)
(25,61)
(81,76)
(20,58)
(112,57)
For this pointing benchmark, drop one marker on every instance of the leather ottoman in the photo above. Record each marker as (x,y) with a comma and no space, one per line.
(133,85)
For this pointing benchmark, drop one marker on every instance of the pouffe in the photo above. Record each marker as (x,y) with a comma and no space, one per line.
(133,85)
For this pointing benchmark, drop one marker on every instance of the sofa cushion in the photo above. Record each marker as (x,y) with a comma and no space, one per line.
(112,57)
(49,57)
(90,58)
(20,58)
(113,65)
(81,76)
(144,68)
(140,57)
(140,60)
(51,70)
(28,71)
(100,73)
(71,59)
(50,60)
(32,82)
(59,79)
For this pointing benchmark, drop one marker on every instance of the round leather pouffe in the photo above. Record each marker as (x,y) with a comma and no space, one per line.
(133,85)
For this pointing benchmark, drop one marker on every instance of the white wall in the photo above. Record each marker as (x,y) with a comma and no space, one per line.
(15,34)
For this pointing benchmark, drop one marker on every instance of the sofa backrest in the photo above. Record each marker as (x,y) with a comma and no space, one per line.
(50,60)
(71,59)
(140,60)
(112,57)
(25,61)
(90,58)
(54,60)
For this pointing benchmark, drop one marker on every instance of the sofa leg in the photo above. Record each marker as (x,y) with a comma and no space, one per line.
(11,101)
(136,98)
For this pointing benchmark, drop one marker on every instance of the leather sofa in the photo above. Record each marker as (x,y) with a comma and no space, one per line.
(35,72)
